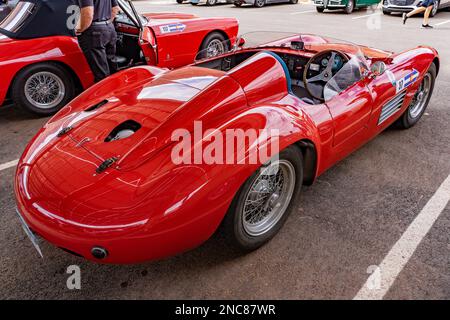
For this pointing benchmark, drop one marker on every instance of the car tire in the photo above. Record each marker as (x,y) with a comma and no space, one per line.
(320,9)
(417,108)
(244,235)
(214,37)
(294,1)
(259,3)
(388,13)
(435,8)
(350,7)
(211,2)
(24,88)
(238,4)
(180,1)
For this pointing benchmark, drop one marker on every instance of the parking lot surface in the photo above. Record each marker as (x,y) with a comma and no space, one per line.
(348,221)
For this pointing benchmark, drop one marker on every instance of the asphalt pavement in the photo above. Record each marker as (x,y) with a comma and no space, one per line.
(346,224)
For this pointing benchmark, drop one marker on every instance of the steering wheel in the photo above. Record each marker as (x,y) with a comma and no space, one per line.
(320,69)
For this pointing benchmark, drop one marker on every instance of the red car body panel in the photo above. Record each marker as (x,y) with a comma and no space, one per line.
(145,206)
(175,49)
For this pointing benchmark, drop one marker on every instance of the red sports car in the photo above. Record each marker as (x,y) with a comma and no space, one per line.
(150,162)
(42,66)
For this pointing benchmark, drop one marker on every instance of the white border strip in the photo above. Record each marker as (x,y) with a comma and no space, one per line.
(402,251)
(8,165)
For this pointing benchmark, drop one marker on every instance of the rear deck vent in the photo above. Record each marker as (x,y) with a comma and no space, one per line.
(124,130)
(392,107)
(96,106)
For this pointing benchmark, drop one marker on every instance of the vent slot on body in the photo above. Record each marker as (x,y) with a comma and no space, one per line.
(392,107)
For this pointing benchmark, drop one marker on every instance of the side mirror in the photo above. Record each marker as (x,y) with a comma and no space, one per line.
(378,68)
(241,42)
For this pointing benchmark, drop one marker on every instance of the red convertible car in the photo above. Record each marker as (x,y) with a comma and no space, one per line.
(42,66)
(105,178)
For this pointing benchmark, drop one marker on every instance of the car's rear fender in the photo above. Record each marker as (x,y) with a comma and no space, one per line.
(23,53)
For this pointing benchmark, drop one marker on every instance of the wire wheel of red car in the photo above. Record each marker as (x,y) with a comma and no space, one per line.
(264,202)
(260,3)
(420,100)
(43,89)
(213,45)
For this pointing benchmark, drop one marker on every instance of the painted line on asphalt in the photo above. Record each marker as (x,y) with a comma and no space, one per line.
(402,251)
(442,23)
(8,165)
(367,16)
(302,12)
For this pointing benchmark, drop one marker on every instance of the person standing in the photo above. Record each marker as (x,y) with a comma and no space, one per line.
(97,36)
(427,6)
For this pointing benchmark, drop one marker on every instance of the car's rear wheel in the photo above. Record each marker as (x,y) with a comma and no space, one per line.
(213,45)
(264,202)
(320,9)
(43,88)
(435,8)
(420,101)
(350,7)
(211,2)
(260,3)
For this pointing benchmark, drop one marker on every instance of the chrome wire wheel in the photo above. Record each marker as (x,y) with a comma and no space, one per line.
(215,48)
(44,90)
(420,99)
(268,197)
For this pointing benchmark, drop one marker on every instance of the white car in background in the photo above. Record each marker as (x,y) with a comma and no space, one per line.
(390,6)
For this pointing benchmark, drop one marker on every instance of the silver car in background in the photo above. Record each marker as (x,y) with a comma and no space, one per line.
(390,6)
(261,3)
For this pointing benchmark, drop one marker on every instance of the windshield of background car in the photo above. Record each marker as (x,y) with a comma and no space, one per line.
(129,12)
(16,19)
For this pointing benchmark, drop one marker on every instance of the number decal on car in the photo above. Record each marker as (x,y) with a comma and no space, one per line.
(408,80)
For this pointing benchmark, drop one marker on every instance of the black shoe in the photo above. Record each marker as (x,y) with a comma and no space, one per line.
(405,17)
(427,26)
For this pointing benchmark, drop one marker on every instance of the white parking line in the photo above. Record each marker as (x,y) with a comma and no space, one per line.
(367,16)
(8,165)
(302,12)
(402,251)
(442,23)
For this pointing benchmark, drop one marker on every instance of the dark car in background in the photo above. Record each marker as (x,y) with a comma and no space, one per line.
(391,6)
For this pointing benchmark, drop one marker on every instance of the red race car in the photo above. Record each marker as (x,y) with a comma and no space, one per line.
(42,66)
(150,162)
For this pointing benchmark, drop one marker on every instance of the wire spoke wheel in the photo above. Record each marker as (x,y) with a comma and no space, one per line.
(268,197)
(215,48)
(421,97)
(44,90)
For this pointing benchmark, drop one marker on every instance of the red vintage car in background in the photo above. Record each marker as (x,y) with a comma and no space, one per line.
(42,66)
(102,179)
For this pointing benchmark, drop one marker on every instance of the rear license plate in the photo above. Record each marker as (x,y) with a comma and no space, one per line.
(33,238)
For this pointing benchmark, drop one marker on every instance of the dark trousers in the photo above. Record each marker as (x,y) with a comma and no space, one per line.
(98,43)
